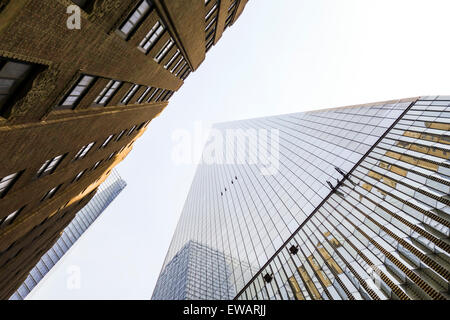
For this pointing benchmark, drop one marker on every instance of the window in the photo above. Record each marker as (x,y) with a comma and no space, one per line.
(77,92)
(130,93)
(13,75)
(50,166)
(96,165)
(10,218)
(119,136)
(135,18)
(177,65)
(143,95)
(78,176)
(181,68)
(106,141)
(131,130)
(7,182)
(159,95)
(86,5)
(162,53)
(210,12)
(150,98)
(140,126)
(171,60)
(169,96)
(83,151)
(210,24)
(107,92)
(210,35)
(186,74)
(209,44)
(232,6)
(50,193)
(110,156)
(152,36)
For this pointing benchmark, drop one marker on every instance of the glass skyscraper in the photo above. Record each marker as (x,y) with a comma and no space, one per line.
(106,193)
(344,203)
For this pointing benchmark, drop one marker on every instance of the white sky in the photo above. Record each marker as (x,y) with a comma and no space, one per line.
(279,57)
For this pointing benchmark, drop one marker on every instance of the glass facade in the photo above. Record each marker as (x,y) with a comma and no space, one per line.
(106,193)
(275,232)
(384,232)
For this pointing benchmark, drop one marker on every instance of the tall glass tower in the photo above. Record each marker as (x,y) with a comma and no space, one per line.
(106,193)
(345,203)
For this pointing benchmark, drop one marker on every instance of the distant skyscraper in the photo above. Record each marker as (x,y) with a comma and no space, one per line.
(106,193)
(345,203)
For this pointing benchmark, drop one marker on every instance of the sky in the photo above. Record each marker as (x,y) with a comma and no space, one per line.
(279,57)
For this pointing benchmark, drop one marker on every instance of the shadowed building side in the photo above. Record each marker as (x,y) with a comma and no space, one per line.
(73,101)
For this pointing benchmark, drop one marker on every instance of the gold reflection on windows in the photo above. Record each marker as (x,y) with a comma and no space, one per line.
(433,151)
(331,262)
(296,288)
(323,278)
(438,125)
(411,160)
(309,283)
(428,137)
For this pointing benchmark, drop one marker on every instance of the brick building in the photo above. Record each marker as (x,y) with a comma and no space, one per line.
(73,101)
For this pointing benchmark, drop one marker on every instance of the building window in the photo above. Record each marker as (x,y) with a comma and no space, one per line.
(130,93)
(107,92)
(50,166)
(177,64)
(50,193)
(96,165)
(159,95)
(10,218)
(162,53)
(14,75)
(77,92)
(131,130)
(150,98)
(83,151)
(135,18)
(211,11)
(152,36)
(210,24)
(7,182)
(181,68)
(143,95)
(172,59)
(140,126)
(186,74)
(110,156)
(86,5)
(78,176)
(106,141)
(168,96)
(120,135)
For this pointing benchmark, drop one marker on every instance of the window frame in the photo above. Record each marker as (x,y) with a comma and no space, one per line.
(82,153)
(21,84)
(108,92)
(55,162)
(82,94)
(6,221)
(8,186)
(138,23)
(149,36)
(51,193)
